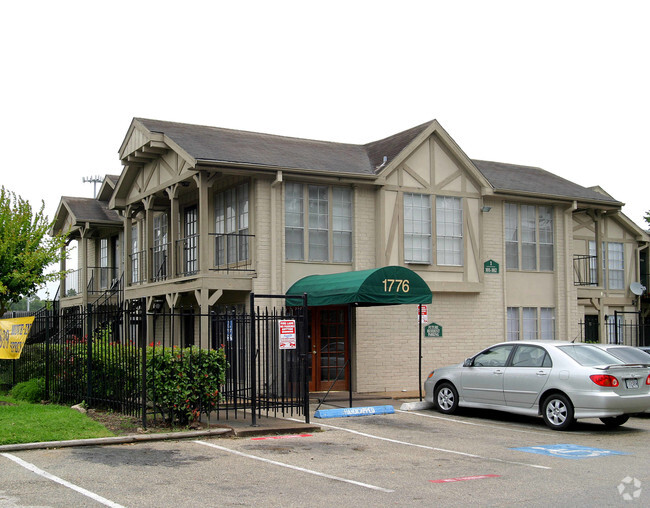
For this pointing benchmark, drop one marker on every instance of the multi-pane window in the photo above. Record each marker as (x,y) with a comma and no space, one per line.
(324,231)
(615,271)
(449,231)
(231,225)
(342,224)
(135,255)
(547,323)
(613,264)
(294,218)
(318,223)
(513,323)
(529,237)
(529,322)
(160,246)
(103,263)
(534,323)
(417,228)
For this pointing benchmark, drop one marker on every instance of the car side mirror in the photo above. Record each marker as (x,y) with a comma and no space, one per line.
(468,362)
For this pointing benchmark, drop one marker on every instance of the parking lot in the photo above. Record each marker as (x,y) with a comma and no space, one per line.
(414,458)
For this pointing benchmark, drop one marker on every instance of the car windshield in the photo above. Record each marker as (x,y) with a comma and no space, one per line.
(629,354)
(589,356)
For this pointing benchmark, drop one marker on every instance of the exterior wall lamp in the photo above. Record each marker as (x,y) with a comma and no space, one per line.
(486,209)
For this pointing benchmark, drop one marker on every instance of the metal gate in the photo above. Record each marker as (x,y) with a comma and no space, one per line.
(625,327)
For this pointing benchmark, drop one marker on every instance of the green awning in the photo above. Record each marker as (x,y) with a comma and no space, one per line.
(390,285)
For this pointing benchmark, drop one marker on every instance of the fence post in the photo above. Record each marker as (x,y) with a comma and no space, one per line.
(47,353)
(252,360)
(143,342)
(89,352)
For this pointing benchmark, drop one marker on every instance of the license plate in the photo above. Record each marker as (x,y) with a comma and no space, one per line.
(631,383)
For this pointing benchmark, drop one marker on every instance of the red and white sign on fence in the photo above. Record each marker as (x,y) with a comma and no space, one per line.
(287,333)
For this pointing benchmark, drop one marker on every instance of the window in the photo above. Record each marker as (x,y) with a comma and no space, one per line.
(531,356)
(534,323)
(494,357)
(616,276)
(190,243)
(547,323)
(327,224)
(135,255)
(529,321)
(529,237)
(417,228)
(449,231)
(513,323)
(160,246)
(318,223)
(231,225)
(103,263)
(613,264)
(342,224)
(294,234)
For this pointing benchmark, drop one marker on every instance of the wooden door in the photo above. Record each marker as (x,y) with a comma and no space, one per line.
(329,347)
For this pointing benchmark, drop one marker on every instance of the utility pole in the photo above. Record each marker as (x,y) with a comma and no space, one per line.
(94,180)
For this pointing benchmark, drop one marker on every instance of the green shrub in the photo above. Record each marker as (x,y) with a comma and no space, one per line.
(183,383)
(30,391)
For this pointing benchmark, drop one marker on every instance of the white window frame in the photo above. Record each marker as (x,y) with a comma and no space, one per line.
(449,231)
(417,228)
(529,237)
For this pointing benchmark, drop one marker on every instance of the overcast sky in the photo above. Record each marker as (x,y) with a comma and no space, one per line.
(563,85)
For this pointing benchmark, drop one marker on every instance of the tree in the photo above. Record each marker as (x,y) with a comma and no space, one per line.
(26,249)
(647,217)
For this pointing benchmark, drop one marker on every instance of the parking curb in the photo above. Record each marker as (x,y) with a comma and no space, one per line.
(131,438)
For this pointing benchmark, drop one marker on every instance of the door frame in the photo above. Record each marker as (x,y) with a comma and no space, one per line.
(315,382)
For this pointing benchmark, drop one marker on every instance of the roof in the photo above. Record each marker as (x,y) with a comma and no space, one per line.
(90,210)
(390,285)
(527,179)
(217,144)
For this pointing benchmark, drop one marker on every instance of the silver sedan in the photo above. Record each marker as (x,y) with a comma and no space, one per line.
(560,381)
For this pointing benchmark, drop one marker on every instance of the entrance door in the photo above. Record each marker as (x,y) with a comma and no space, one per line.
(329,339)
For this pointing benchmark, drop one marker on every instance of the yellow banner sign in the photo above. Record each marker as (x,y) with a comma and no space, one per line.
(13,334)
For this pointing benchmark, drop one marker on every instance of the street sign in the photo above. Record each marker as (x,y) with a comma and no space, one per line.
(433,330)
(490,266)
(287,333)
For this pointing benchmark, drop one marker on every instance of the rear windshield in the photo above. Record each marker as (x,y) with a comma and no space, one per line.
(629,354)
(589,356)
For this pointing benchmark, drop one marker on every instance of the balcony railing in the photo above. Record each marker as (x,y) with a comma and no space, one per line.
(73,285)
(584,270)
(101,278)
(232,251)
(160,262)
(187,256)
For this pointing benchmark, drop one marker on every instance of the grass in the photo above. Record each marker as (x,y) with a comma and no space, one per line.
(30,423)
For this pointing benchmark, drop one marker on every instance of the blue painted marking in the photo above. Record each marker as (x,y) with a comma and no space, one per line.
(569,451)
(354,411)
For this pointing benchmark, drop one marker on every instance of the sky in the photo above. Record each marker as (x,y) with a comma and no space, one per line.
(562,85)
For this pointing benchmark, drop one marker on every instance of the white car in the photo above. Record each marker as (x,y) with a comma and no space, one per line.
(560,381)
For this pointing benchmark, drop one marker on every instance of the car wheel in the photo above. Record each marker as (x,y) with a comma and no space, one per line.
(615,421)
(446,398)
(557,412)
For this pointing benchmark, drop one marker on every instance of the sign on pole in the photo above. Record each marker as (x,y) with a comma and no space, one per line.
(433,330)
(13,334)
(423,314)
(287,333)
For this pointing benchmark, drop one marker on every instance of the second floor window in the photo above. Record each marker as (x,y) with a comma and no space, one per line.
(613,264)
(529,237)
(231,225)
(324,231)
(530,323)
(449,231)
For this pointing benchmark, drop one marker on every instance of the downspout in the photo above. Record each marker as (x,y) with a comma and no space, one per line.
(274,263)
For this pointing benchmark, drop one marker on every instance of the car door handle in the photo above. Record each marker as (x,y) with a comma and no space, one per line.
(541,373)
(498,372)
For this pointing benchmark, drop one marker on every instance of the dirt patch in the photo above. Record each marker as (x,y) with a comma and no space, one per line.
(122,425)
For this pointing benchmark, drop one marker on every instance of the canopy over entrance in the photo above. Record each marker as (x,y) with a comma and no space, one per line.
(390,285)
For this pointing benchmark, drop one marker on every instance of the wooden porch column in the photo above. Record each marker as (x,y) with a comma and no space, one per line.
(126,218)
(201,179)
(148,237)
(62,268)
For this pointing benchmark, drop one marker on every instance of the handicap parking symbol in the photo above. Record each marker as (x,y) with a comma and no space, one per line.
(569,451)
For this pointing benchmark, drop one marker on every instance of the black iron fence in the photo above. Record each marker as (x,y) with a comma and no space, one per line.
(627,328)
(177,365)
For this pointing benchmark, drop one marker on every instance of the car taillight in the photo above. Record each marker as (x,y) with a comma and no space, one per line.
(647,380)
(605,380)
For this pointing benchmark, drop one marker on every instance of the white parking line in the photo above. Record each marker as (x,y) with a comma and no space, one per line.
(296,468)
(443,450)
(45,474)
(510,428)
